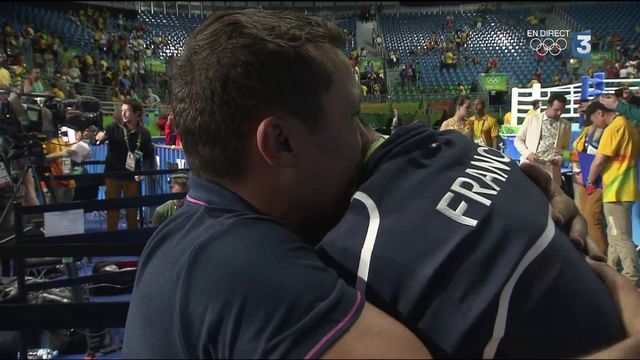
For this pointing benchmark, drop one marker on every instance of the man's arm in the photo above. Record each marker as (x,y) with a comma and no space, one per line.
(377,335)
(148,153)
(562,146)
(60,154)
(596,167)
(564,211)
(630,111)
(627,297)
(27,86)
(520,140)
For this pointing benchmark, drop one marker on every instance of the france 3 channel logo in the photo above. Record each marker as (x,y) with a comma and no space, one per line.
(554,42)
(581,44)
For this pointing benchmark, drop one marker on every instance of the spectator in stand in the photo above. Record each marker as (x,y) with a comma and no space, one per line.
(33,84)
(5,75)
(74,71)
(55,91)
(450,59)
(538,75)
(152,101)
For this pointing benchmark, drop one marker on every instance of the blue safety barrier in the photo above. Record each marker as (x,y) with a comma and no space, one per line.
(158,140)
(166,157)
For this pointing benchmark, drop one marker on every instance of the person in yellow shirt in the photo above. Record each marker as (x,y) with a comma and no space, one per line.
(616,161)
(450,59)
(58,154)
(535,105)
(506,120)
(485,126)
(5,75)
(55,91)
(460,121)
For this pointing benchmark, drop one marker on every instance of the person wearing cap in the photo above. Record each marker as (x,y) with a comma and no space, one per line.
(179,184)
(616,162)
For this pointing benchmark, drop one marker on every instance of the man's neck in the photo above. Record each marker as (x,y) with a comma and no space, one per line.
(549,118)
(132,126)
(479,115)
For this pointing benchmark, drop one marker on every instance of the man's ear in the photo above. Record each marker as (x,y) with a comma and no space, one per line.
(273,138)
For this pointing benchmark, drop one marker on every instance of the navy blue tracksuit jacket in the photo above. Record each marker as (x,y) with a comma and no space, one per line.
(456,242)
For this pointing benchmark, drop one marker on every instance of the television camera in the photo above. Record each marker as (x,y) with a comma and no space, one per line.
(27,121)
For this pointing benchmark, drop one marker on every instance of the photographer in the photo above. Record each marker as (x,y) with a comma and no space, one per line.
(129,149)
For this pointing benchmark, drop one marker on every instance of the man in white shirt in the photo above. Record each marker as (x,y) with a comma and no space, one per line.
(543,137)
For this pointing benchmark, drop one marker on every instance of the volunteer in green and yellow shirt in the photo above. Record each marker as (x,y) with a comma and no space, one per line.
(616,161)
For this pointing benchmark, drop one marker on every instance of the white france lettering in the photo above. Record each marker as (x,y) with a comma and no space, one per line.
(473,193)
(490,164)
(487,177)
(458,214)
(493,154)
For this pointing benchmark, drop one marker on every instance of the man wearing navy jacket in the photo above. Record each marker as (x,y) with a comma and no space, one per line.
(460,246)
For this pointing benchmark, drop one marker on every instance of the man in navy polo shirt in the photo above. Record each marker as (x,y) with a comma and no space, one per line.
(228,276)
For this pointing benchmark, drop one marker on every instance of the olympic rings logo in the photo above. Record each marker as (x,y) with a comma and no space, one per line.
(492,80)
(548,46)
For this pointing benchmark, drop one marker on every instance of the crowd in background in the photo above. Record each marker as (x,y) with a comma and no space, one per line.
(115,59)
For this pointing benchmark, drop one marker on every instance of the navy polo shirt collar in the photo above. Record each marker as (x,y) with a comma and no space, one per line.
(210,194)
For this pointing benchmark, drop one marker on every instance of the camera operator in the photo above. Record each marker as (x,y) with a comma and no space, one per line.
(58,152)
(62,157)
(129,148)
